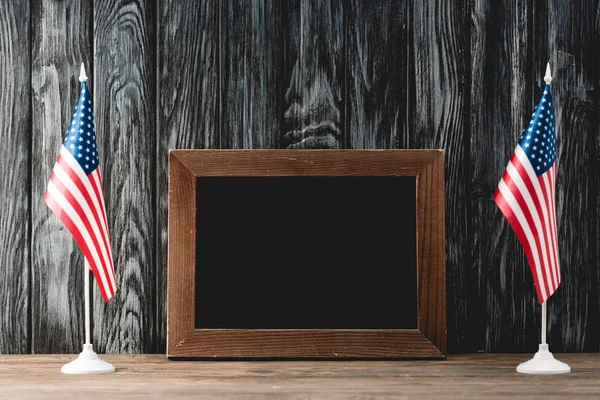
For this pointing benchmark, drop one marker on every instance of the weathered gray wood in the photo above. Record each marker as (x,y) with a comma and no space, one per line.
(377,54)
(125,95)
(360,74)
(15,181)
(503,312)
(439,75)
(574,90)
(251,63)
(188,115)
(61,41)
(313,35)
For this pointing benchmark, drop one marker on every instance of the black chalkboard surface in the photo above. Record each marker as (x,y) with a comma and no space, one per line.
(308,252)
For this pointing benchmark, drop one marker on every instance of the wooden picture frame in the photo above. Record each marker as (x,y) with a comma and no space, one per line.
(184,341)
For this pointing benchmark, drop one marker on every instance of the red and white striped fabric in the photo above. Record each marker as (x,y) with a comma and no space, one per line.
(75,195)
(526,197)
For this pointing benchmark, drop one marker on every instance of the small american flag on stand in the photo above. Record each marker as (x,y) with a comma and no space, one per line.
(75,195)
(526,195)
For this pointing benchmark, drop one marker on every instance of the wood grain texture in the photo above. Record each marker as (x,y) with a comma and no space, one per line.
(460,76)
(125,95)
(251,74)
(503,313)
(431,253)
(377,62)
(440,73)
(155,377)
(575,93)
(188,115)
(61,42)
(182,252)
(428,341)
(15,181)
(306,344)
(317,162)
(313,36)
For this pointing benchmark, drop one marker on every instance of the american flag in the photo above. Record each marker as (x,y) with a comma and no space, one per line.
(526,196)
(75,195)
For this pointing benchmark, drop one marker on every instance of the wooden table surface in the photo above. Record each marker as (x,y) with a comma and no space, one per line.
(481,376)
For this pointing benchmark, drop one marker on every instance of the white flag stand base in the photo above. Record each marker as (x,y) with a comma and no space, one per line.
(543,362)
(88,362)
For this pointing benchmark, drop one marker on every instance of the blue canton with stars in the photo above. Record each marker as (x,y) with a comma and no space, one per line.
(539,138)
(81,135)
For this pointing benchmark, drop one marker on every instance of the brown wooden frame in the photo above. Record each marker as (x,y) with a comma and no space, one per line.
(427,341)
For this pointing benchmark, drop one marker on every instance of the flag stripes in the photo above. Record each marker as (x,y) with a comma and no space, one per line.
(74,193)
(526,197)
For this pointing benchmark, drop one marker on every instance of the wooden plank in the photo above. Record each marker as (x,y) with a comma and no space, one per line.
(439,74)
(287,162)
(125,77)
(307,344)
(182,252)
(15,182)
(155,377)
(61,41)
(251,63)
(575,82)
(504,313)
(313,35)
(188,115)
(378,56)
(431,253)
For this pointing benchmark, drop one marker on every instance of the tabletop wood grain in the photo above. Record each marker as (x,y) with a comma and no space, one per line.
(474,376)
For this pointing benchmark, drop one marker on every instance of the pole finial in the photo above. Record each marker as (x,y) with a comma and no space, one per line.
(548,76)
(82,76)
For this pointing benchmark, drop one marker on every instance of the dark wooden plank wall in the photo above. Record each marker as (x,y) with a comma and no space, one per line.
(15,177)
(61,41)
(460,76)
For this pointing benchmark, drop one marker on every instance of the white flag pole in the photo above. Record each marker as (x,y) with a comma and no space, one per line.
(544,323)
(543,362)
(86,280)
(88,361)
